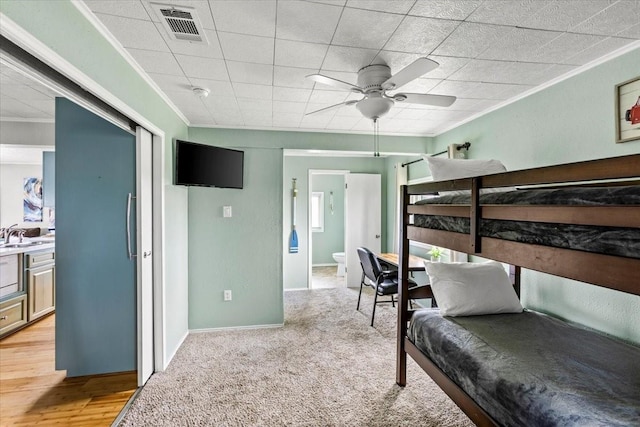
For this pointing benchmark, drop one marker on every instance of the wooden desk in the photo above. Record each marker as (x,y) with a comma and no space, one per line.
(415,263)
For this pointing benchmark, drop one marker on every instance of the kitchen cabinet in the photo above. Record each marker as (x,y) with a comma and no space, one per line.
(41,284)
(10,277)
(13,314)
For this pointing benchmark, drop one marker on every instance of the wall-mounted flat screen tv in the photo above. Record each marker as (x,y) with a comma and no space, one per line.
(208,166)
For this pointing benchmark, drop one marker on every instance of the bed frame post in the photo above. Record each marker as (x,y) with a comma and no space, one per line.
(403,289)
(474,215)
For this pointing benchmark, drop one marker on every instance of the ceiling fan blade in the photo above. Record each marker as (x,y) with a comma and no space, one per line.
(422,98)
(411,72)
(330,81)
(350,102)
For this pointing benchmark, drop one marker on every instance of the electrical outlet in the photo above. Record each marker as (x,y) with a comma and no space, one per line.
(227,295)
(226,212)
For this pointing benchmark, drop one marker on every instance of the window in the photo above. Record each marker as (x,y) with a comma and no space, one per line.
(317,212)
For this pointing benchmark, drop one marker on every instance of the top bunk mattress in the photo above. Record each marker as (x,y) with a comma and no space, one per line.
(616,241)
(530,369)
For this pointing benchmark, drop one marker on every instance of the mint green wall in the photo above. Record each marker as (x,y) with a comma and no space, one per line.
(61,27)
(570,121)
(294,270)
(242,253)
(332,238)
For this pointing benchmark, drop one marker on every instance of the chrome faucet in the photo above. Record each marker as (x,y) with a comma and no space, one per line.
(8,232)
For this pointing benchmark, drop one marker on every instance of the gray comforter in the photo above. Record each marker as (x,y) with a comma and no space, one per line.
(529,369)
(616,241)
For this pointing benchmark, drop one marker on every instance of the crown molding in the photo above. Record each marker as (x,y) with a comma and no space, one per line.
(104,31)
(616,53)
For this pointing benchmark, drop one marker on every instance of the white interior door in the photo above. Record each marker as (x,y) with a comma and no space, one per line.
(144,203)
(363,226)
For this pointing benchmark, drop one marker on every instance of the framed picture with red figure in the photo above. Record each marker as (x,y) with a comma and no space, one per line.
(627,99)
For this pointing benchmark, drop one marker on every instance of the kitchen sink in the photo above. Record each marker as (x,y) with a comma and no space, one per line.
(20,245)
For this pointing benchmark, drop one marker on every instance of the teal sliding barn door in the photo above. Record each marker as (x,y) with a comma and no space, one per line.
(95,277)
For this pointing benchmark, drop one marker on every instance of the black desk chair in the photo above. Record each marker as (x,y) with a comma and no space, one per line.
(383,282)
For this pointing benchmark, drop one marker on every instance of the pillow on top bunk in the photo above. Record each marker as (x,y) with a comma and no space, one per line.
(446,169)
(469,289)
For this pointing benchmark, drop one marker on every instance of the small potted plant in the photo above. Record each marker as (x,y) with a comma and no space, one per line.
(435,254)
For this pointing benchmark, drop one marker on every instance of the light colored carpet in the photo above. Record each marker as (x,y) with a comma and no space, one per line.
(325,367)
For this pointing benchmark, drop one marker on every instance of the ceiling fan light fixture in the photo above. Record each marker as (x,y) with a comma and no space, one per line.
(374,107)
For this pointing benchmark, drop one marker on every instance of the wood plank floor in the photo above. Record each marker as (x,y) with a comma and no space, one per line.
(33,393)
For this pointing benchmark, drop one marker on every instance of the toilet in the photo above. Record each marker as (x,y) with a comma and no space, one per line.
(339,257)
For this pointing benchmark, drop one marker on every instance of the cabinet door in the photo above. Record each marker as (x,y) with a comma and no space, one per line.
(13,314)
(41,291)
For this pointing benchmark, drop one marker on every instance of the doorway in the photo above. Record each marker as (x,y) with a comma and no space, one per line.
(326,228)
(28,65)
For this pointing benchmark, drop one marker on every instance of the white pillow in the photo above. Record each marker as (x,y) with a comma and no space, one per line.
(446,169)
(468,289)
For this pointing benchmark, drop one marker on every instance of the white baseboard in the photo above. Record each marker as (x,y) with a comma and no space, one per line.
(335,264)
(236,328)
(296,289)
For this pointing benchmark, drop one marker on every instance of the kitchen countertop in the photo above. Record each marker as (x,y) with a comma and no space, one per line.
(40,244)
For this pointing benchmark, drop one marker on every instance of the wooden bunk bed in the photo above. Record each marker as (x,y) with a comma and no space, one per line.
(616,272)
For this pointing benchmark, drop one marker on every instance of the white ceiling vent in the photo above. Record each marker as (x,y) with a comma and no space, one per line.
(181,22)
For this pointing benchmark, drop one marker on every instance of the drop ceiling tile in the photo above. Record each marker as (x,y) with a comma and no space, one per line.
(596,51)
(519,45)
(559,49)
(498,71)
(563,15)
(469,40)
(420,35)
(464,104)
(12,108)
(134,33)
(244,72)
(127,8)
(632,32)
(445,9)
(201,120)
(395,6)
(316,121)
(210,49)
(305,21)
(363,125)
(454,88)
(48,107)
(290,94)
(356,28)
(217,88)
(312,107)
(506,12)
(245,48)
(257,121)
(203,68)
(550,73)
(247,104)
(186,100)
(289,120)
(156,62)
(292,77)
(617,17)
(342,123)
(247,90)
(448,65)
(257,18)
(330,2)
(222,104)
(410,114)
(300,54)
(349,59)
(168,82)
(289,107)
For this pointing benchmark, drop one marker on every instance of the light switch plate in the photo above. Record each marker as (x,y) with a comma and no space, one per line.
(226,211)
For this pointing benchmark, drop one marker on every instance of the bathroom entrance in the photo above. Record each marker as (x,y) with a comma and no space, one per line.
(327,228)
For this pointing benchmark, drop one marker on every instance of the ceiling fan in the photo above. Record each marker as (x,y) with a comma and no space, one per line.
(375,80)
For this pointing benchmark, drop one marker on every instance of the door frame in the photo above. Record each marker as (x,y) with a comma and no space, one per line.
(39,50)
(313,172)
